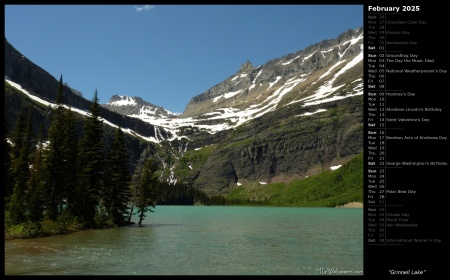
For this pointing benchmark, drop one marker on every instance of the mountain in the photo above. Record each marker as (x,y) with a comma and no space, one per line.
(293,117)
(40,84)
(131,106)
(318,74)
(307,75)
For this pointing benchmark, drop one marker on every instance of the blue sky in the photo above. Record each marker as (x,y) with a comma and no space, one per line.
(165,54)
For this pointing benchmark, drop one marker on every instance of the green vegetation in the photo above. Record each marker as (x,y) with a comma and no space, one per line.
(326,189)
(68,182)
(116,191)
(145,191)
(192,161)
(68,179)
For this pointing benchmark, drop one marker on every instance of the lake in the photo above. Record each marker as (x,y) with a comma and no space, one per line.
(204,240)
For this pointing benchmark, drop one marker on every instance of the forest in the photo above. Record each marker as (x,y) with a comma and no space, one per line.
(66,175)
(72,182)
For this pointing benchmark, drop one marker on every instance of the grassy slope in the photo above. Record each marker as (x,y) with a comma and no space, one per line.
(327,189)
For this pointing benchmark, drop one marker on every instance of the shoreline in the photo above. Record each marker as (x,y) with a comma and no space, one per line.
(352,204)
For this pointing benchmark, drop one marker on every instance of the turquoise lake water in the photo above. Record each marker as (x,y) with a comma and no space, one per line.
(204,240)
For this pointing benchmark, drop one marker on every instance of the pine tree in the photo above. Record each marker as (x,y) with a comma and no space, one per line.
(91,164)
(60,158)
(55,186)
(8,180)
(70,150)
(145,191)
(35,183)
(117,193)
(18,133)
(18,204)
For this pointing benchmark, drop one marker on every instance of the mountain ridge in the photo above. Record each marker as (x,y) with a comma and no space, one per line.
(290,118)
(253,91)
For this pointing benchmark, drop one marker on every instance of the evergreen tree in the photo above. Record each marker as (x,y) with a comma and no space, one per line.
(18,134)
(91,164)
(117,193)
(70,150)
(135,181)
(35,184)
(8,180)
(60,159)
(18,204)
(56,181)
(145,191)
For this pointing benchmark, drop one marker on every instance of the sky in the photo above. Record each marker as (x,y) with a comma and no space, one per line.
(165,54)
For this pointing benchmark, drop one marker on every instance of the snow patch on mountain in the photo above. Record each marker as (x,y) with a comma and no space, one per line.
(124,101)
(81,112)
(253,92)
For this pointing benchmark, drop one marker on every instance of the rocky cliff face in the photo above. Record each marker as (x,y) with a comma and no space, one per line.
(36,80)
(290,118)
(41,84)
(293,146)
(252,87)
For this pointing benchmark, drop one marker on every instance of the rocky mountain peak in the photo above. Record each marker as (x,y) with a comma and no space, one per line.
(247,66)
(127,105)
(290,118)
(283,80)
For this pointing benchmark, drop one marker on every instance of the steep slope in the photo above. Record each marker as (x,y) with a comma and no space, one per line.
(311,74)
(334,187)
(38,83)
(16,99)
(323,72)
(284,145)
(290,118)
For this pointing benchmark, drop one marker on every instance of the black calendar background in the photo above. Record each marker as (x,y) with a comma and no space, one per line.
(428,207)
